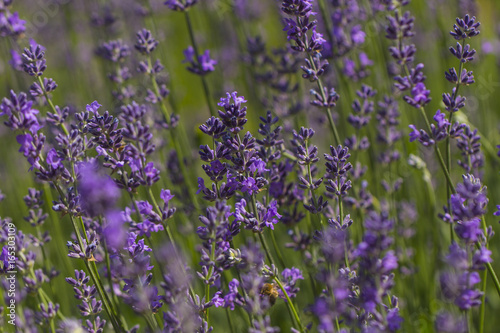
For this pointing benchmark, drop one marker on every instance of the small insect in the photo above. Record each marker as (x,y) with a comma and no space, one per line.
(121,147)
(270,290)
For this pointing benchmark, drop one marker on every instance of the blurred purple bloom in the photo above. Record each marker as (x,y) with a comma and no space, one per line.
(11,24)
(217,300)
(114,231)
(465,28)
(448,323)
(16,61)
(98,192)
(480,258)
(394,320)
(271,216)
(201,66)
(357,35)
(147,227)
(166,196)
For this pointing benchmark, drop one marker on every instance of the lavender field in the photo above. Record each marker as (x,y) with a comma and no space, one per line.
(250,166)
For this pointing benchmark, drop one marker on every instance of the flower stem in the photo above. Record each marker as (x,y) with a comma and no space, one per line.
(206,89)
(175,142)
(438,153)
(494,277)
(170,237)
(290,304)
(277,250)
(115,321)
(46,95)
(333,128)
(482,308)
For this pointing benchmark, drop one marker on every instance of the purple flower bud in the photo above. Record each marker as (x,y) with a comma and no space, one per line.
(145,42)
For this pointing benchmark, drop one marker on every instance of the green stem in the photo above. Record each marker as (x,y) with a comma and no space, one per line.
(438,153)
(206,89)
(448,141)
(492,273)
(110,278)
(483,305)
(175,142)
(290,304)
(277,250)
(117,325)
(436,148)
(207,285)
(322,92)
(170,237)
(231,328)
(266,249)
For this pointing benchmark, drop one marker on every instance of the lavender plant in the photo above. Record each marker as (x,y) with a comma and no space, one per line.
(126,209)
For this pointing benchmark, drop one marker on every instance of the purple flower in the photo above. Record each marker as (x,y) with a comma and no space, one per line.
(93,107)
(271,216)
(440,118)
(152,175)
(469,297)
(31,147)
(217,300)
(469,230)
(465,28)
(420,95)
(388,263)
(145,208)
(239,210)
(201,185)
(34,62)
(249,185)
(180,5)
(25,141)
(114,231)
(16,61)
(231,296)
(316,42)
(290,278)
(53,160)
(480,258)
(147,227)
(448,323)
(114,50)
(234,114)
(357,35)
(19,112)
(297,7)
(364,61)
(497,213)
(394,320)
(207,64)
(201,66)
(457,257)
